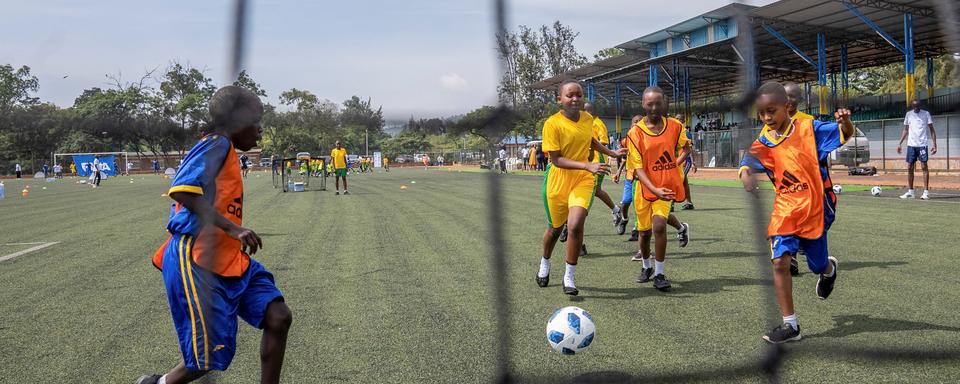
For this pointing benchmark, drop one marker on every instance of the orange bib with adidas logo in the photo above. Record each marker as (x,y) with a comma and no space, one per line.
(659,153)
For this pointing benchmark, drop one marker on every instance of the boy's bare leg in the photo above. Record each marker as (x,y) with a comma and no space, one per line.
(273,343)
(180,374)
(605,197)
(660,238)
(783,284)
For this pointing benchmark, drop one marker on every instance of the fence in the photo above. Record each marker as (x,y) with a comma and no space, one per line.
(724,149)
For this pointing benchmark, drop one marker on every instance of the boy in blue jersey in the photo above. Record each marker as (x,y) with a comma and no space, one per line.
(210,278)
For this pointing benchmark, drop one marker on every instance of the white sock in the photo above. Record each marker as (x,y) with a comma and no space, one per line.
(163,380)
(658,268)
(792,320)
(544,268)
(647,264)
(568,275)
(926,192)
(910,191)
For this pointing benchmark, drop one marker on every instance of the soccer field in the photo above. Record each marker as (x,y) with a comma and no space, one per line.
(389,285)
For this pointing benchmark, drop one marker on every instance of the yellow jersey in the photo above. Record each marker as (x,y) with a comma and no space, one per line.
(800,115)
(571,138)
(339,156)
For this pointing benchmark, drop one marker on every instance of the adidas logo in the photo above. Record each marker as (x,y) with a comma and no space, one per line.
(790,184)
(664,162)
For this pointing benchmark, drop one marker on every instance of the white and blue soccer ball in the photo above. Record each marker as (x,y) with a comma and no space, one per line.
(570,330)
(837,189)
(875,191)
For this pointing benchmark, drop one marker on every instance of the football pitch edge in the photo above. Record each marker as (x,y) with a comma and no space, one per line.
(392,285)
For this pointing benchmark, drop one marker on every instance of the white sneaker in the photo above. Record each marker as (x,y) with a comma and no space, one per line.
(925,195)
(908,195)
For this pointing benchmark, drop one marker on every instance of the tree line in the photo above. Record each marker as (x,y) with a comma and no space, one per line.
(165,112)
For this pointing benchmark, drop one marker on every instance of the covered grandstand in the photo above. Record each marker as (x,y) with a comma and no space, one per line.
(701,63)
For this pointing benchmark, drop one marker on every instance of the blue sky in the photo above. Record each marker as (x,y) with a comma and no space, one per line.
(419,57)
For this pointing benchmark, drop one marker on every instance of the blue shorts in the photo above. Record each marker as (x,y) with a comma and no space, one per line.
(916,153)
(627,192)
(205,306)
(816,249)
(687,165)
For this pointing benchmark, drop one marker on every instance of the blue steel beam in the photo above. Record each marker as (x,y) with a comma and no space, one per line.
(790,45)
(653,75)
(876,28)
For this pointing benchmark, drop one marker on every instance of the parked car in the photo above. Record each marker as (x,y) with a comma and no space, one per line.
(265,162)
(401,159)
(855,152)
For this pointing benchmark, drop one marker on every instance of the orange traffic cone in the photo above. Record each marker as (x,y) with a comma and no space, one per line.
(25,192)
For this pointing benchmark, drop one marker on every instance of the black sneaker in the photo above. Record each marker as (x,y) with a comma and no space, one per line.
(622,227)
(583,249)
(645,274)
(794,266)
(634,235)
(782,333)
(346,192)
(148,379)
(338,193)
(543,281)
(683,235)
(825,284)
(661,283)
(687,207)
(572,291)
(563,234)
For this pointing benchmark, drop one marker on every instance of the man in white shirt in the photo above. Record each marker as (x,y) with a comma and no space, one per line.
(525,155)
(915,125)
(96,171)
(18,170)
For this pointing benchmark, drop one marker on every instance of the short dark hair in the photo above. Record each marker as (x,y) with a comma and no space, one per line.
(233,107)
(568,81)
(772,88)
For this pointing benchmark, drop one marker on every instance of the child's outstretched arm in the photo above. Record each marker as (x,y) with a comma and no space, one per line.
(846,126)
(597,146)
(557,159)
(250,242)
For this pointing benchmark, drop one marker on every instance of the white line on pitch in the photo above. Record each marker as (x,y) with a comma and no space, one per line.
(28,250)
(24,243)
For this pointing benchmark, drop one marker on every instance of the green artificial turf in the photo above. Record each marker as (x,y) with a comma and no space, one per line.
(389,285)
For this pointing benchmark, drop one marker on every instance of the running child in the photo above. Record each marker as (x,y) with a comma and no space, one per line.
(792,153)
(339,157)
(569,180)
(209,249)
(628,182)
(653,149)
(794,95)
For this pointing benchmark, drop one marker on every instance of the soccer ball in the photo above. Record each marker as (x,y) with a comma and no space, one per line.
(570,330)
(875,191)
(837,189)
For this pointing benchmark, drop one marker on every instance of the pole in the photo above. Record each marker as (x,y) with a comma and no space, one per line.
(366,139)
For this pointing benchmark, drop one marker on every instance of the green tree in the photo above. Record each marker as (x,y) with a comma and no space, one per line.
(186,92)
(244,80)
(607,53)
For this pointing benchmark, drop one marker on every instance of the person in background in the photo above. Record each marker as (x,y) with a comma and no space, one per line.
(524,156)
(502,158)
(440,160)
(46,170)
(73,169)
(541,158)
(18,170)
(915,125)
(244,165)
(58,171)
(129,167)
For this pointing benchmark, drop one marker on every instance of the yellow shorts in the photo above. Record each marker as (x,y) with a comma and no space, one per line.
(565,188)
(645,210)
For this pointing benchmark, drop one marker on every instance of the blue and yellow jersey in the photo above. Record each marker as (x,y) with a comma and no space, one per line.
(801,116)
(212,170)
(795,163)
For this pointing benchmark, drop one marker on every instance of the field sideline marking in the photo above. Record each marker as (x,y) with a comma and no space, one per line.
(26,251)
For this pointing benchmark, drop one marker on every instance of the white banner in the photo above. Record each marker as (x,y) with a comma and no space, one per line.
(377,160)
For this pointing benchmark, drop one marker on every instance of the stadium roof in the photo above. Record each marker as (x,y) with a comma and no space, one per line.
(704,44)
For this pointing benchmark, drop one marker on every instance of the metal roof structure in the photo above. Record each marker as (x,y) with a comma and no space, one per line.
(787,38)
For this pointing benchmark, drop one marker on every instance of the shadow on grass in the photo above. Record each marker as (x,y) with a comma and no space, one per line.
(715,255)
(846,325)
(855,265)
(680,289)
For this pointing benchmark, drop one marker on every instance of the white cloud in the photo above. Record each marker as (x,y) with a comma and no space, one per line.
(453,82)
